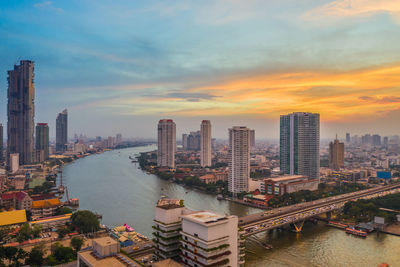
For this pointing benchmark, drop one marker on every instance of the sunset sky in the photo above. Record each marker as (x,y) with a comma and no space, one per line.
(120,66)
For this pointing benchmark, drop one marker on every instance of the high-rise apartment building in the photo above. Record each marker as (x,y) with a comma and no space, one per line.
(336,155)
(184,141)
(205,143)
(239,159)
(376,140)
(62,131)
(21,111)
(118,139)
(252,138)
(194,141)
(42,142)
(1,143)
(299,144)
(348,139)
(166,143)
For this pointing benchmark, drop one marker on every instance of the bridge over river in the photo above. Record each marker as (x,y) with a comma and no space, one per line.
(297,214)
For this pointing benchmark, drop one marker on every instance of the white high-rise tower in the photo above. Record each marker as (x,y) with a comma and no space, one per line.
(166,143)
(239,159)
(205,143)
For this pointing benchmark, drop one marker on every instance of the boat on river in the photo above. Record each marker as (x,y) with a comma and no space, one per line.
(353,231)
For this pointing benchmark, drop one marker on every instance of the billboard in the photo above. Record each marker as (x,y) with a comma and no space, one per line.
(384,175)
(379,220)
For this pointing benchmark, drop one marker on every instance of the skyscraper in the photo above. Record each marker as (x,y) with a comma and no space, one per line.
(239,159)
(252,138)
(376,140)
(21,111)
(336,155)
(62,131)
(184,141)
(1,143)
(166,143)
(118,139)
(205,143)
(348,139)
(299,144)
(42,142)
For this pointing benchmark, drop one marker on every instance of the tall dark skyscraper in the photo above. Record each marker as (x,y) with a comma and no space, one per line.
(62,131)
(1,143)
(299,144)
(21,111)
(42,142)
(348,139)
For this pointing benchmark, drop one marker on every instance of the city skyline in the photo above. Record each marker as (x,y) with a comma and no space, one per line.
(128,71)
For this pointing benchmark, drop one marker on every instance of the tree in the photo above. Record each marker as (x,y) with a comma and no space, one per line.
(77,243)
(63,254)
(63,210)
(24,233)
(86,221)
(35,257)
(62,231)
(10,253)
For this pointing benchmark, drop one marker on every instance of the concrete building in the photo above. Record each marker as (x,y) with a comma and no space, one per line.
(166,143)
(1,143)
(42,141)
(167,226)
(376,140)
(239,159)
(110,142)
(288,184)
(205,143)
(13,164)
(105,252)
(348,138)
(299,144)
(21,111)
(184,141)
(118,139)
(209,239)
(336,155)
(16,200)
(62,131)
(252,138)
(194,141)
(45,208)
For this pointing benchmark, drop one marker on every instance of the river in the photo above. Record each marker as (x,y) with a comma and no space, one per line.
(111,185)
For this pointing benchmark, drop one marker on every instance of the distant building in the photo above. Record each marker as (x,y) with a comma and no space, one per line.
(348,138)
(385,140)
(376,140)
(62,131)
(110,142)
(252,138)
(42,141)
(289,184)
(194,141)
(21,111)
(14,217)
(209,239)
(166,143)
(45,208)
(239,159)
(184,141)
(366,139)
(336,155)
(205,143)
(118,139)
(299,144)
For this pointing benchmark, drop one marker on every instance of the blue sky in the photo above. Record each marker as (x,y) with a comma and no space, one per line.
(120,66)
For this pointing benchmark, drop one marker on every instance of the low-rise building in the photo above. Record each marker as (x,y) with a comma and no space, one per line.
(288,184)
(45,208)
(16,200)
(14,217)
(105,252)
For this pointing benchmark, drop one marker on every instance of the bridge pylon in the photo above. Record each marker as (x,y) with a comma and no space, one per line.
(298,226)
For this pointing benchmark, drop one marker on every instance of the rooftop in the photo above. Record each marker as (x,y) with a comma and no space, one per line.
(204,217)
(12,217)
(46,203)
(111,261)
(166,263)
(105,241)
(286,178)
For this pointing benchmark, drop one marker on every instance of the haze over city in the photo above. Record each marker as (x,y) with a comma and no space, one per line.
(120,65)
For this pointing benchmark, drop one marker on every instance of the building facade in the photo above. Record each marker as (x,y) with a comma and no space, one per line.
(209,239)
(252,138)
(21,111)
(42,141)
(166,143)
(278,186)
(205,143)
(62,131)
(336,155)
(299,144)
(1,143)
(239,159)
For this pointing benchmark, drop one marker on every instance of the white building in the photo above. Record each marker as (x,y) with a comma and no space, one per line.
(14,162)
(205,143)
(209,239)
(239,159)
(166,143)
